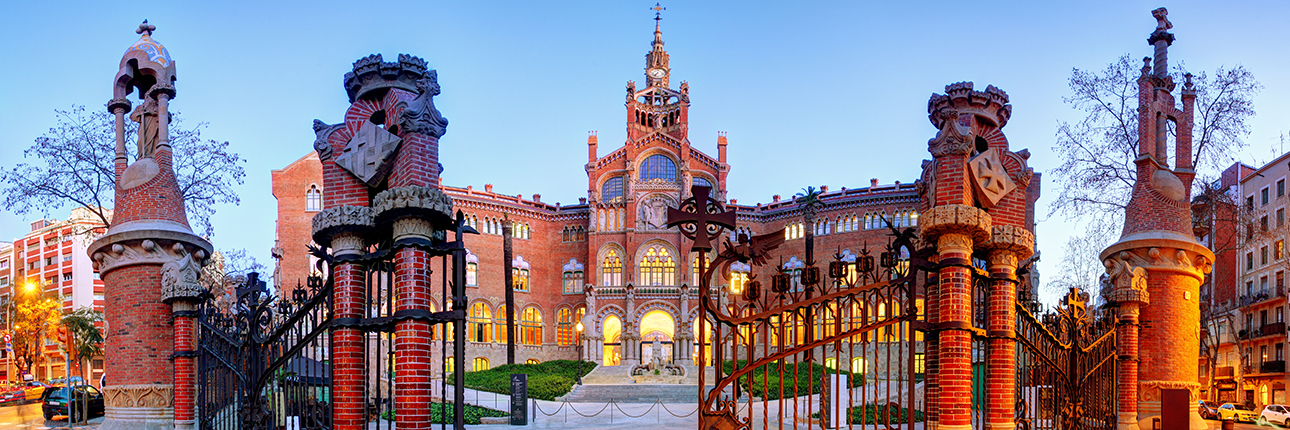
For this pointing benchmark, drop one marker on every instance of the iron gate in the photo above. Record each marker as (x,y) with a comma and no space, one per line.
(264,360)
(1066,366)
(799,354)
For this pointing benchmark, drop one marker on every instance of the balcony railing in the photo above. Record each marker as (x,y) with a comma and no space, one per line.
(1259,296)
(1272,329)
(1278,366)
(1224,372)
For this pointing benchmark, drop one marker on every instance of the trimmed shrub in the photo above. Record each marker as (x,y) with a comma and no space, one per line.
(547,380)
(768,381)
(441,413)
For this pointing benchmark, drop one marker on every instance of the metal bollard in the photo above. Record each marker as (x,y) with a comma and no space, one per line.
(1229,424)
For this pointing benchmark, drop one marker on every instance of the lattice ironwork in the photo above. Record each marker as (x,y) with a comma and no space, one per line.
(265,360)
(1066,366)
(799,352)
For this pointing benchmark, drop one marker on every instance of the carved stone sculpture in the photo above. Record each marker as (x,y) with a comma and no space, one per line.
(420,115)
(955,136)
(322,136)
(146,116)
(370,154)
(990,181)
(179,277)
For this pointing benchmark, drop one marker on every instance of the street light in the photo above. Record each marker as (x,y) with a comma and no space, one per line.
(578,328)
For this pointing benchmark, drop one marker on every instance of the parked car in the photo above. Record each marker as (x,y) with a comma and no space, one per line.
(13,396)
(34,390)
(1232,411)
(57,400)
(1208,410)
(1276,414)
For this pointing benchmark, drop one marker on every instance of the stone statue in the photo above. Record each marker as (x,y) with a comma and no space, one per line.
(656,361)
(1162,19)
(146,116)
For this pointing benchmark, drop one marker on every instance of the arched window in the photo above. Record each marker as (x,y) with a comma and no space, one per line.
(658,167)
(658,267)
(531,326)
(313,199)
(481,323)
(472,270)
(701,182)
(520,274)
(612,269)
(738,277)
(480,364)
(572,277)
(564,327)
(858,365)
(612,190)
(913,218)
(794,269)
(502,326)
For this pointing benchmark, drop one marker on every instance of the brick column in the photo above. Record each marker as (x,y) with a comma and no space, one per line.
(415,213)
(349,296)
(1008,245)
(931,371)
(955,341)
(956,229)
(185,345)
(1127,347)
(412,336)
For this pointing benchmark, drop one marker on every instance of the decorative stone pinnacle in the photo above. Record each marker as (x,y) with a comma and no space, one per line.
(145,28)
(1162,19)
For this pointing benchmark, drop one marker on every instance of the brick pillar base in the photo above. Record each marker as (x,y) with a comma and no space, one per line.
(412,390)
(185,365)
(137,351)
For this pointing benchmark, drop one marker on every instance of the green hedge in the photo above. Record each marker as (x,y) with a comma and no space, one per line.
(768,380)
(547,380)
(441,413)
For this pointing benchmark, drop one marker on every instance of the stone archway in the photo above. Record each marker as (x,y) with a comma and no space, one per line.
(657,327)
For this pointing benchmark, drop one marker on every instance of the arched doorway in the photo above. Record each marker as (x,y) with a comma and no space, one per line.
(613,330)
(657,326)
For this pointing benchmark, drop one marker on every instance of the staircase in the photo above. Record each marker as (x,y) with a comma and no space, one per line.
(634,393)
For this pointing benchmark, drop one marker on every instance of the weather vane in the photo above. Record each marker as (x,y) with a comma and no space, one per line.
(658,11)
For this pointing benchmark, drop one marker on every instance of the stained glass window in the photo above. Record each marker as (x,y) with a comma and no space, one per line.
(658,167)
(612,190)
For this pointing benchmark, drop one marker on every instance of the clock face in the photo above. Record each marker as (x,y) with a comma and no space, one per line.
(657,73)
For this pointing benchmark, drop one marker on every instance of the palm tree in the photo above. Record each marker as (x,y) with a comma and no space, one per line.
(809,201)
(86,338)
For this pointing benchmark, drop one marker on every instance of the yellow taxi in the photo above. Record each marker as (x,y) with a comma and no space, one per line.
(1232,411)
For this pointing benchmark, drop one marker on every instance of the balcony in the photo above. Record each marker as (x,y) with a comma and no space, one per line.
(1224,372)
(1263,295)
(1278,366)
(1272,329)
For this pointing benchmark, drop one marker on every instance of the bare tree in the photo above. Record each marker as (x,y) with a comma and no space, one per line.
(1097,173)
(73,165)
(1080,267)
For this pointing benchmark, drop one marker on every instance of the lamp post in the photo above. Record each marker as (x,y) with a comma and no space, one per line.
(578,328)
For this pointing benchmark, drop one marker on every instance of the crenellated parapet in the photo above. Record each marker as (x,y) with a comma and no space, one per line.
(960,98)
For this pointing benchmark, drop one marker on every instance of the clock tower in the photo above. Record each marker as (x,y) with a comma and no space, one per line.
(657,108)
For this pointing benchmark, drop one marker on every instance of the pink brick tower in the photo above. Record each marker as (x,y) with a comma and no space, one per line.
(381,181)
(1157,265)
(974,197)
(149,259)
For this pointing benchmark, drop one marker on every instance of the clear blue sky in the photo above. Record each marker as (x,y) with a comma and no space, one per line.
(810,93)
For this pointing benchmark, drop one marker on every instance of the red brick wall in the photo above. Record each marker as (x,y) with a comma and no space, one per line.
(139,338)
(295,224)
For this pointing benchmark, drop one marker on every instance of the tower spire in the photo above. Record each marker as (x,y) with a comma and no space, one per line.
(656,67)
(658,28)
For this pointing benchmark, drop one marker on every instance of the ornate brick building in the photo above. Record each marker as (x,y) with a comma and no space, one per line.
(610,254)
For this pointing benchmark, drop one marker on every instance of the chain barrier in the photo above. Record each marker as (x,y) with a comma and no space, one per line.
(657,403)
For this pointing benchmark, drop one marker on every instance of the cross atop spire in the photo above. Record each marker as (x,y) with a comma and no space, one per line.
(658,13)
(145,28)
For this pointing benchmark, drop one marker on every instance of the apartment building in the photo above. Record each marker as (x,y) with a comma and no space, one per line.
(1246,294)
(52,259)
